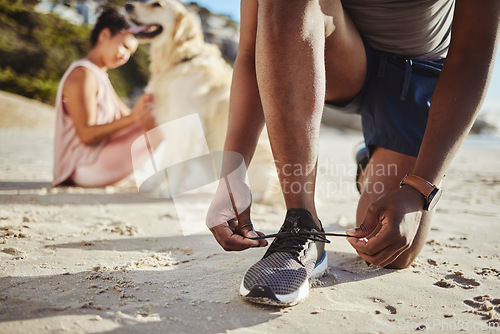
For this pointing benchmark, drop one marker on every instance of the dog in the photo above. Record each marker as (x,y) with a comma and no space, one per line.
(190,76)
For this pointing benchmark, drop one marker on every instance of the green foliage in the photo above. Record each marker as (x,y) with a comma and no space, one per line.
(119,3)
(36,49)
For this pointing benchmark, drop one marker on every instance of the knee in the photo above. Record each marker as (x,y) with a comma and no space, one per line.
(398,265)
(402,262)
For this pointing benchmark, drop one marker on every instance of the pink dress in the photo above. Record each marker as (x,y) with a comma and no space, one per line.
(92,165)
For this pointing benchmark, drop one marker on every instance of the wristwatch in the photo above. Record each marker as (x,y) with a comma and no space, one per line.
(430,192)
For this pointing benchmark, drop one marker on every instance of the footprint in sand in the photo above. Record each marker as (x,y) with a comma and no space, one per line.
(439,246)
(17,254)
(488,272)
(390,308)
(432,262)
(122,229)
(457,279)
(485,306)
(11,232)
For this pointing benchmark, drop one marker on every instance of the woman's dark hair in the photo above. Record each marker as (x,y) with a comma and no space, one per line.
(109,18)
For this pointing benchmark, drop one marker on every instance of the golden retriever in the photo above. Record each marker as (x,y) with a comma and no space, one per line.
(190,76)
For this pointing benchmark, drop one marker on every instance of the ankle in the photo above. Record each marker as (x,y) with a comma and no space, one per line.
(311,210)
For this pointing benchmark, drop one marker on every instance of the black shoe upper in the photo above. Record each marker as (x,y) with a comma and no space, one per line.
(298,233)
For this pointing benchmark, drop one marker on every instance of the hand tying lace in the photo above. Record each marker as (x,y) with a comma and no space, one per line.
(287,240)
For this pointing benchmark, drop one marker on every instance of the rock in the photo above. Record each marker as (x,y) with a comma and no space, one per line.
(219,30)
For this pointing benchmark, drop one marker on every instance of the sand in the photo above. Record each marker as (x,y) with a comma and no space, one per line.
(111,260)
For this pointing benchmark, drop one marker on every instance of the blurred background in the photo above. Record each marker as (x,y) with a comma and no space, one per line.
(40,38)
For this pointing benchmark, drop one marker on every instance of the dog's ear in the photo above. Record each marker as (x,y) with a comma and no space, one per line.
(185,28)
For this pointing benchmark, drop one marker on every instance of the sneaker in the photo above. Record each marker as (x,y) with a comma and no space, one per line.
(297,254)
(362,158)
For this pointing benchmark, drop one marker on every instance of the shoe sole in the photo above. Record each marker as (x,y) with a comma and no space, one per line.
(264,295)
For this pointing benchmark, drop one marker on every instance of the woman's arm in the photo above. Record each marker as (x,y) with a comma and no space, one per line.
(124,109)
(80,94)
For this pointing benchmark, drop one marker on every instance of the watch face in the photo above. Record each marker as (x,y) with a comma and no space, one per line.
(434,198)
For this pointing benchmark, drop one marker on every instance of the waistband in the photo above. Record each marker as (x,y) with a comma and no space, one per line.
(409,65)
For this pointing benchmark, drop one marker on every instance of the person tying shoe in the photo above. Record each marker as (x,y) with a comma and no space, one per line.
(383,59)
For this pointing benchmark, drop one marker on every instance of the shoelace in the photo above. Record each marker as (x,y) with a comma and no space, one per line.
(293,240)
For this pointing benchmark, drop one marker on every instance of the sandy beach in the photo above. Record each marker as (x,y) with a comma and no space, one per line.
(111,260)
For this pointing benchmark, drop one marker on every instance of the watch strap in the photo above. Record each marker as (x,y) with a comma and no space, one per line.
(422,185)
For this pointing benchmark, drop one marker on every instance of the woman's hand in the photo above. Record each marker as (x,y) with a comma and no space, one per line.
(143,108)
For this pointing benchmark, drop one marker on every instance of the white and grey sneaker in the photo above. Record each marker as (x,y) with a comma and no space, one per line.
(297,254)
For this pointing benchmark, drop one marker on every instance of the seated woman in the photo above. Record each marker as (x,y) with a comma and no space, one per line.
(94,129)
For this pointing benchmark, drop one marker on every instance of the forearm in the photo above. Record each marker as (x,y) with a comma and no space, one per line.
(461,87)
(453,110)
(93,134)
(246,118)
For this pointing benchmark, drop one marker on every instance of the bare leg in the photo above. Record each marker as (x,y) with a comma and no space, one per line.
(291,76)
(383,174)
